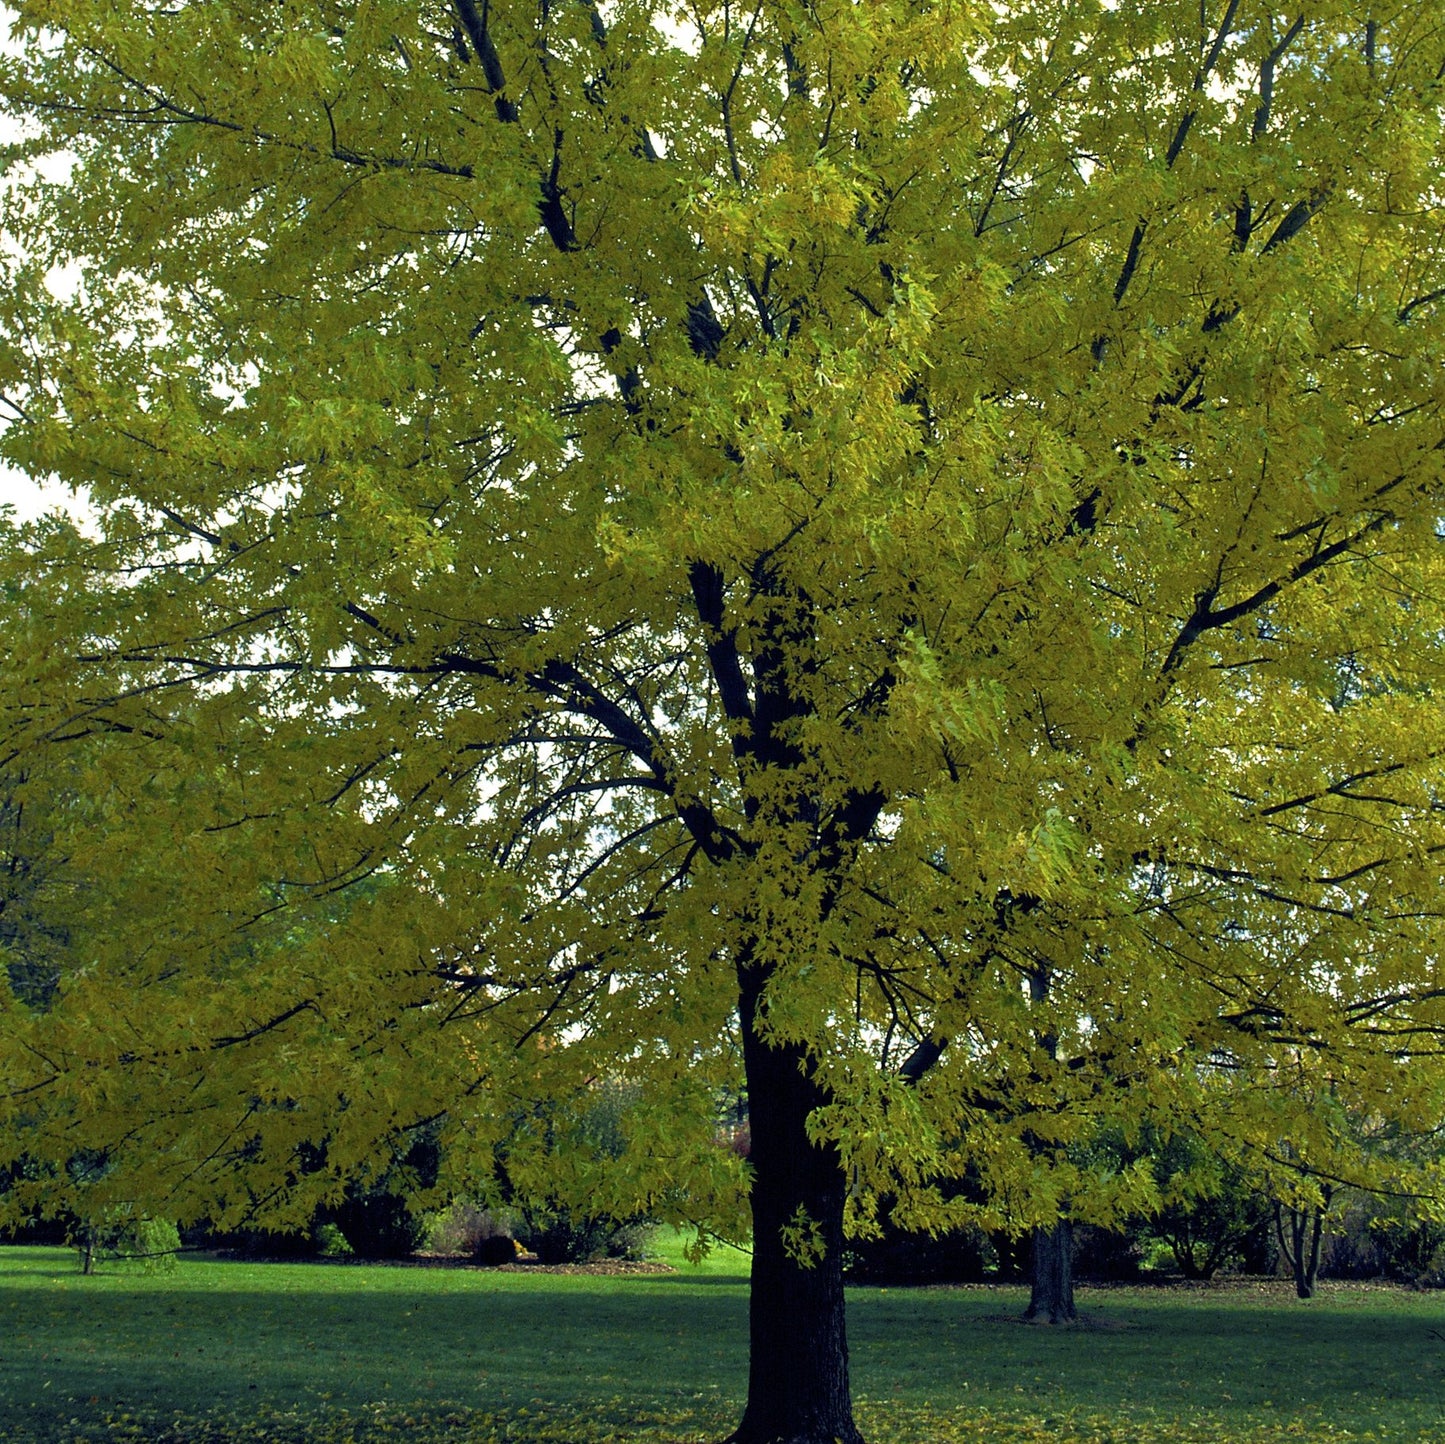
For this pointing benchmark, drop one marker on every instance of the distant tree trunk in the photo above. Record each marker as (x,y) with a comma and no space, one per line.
(1198,1259)
(1182,1245)
(798,1390)
(1052,1297)
(1301,1246)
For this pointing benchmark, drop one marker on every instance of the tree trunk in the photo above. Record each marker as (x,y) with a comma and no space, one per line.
(798,1364)
(1306,1226)
(1052,1297)
(1302,1247)
(1312,1271)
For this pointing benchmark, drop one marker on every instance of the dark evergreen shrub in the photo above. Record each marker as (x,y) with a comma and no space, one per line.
(964,1256)
(496,1249)
(376,1223)
(1383,1238)
(557,1235)
(1103,1255)
(551,1222)
(20,1182)
(374,1216)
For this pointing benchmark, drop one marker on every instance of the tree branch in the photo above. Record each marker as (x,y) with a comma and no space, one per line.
(474,22)
(1206,617)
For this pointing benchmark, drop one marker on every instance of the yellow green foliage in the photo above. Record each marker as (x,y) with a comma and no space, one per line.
(934,508)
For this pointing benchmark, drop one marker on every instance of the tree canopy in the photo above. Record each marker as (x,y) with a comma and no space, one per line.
(900,541)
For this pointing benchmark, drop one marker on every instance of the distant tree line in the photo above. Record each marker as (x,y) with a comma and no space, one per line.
(1213,1217)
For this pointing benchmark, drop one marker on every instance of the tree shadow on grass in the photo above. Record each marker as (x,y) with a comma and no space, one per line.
(346,1339)
(90,1351)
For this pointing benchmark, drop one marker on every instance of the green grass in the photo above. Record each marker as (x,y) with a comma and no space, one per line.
(721,1261)
(345,1351)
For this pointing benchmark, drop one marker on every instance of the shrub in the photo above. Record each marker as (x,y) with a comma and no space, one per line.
(558,1235)
(330,1242)
(498,1249)
(1412,1250)
(1105,1255)
(466,1228)
(21,1184)
(374,1224)
(255,1243)
(1385,1238)
(547,1180)
(1212,1214)
(374,1215)
(126,1242)
(963,1256)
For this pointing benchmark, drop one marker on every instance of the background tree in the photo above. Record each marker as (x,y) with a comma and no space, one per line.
(1210,1211)
(720,514)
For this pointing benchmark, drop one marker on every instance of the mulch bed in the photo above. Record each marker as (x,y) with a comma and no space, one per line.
(527,1264)
(601,1266)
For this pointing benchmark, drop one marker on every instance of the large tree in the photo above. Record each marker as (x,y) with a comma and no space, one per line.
(608,521)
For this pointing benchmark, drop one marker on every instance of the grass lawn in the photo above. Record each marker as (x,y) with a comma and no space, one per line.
(331,1352)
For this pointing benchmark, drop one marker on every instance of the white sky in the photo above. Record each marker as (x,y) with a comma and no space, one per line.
(17,490)
(26,498)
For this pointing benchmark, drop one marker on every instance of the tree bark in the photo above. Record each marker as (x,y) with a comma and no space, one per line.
(1302,1248)
(1052,1296)
(798,1390)
(1312,1269)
